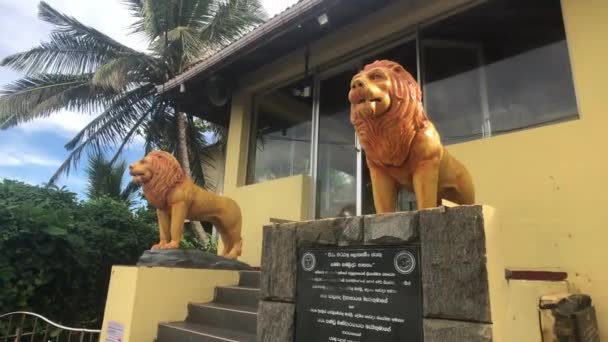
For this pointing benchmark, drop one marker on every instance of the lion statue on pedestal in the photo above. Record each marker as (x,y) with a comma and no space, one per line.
(176,198)
(402,146)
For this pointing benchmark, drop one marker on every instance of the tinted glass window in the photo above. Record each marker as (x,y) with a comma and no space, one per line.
(498,67)
(281,133)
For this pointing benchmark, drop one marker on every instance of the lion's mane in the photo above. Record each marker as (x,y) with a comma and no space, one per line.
(167,175)
(387,138)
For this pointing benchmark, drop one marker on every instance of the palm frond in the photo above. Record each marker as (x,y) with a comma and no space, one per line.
(154,21)
(120,72)
(121,112)
(197,146)
(111,127)
(135,8)
(136,127)
(129,192)
(195,13)
(73,48)
(231,19)
(105,178)
(160,132)
(8,121)
(37,96)
(220,133)
(66,54)
(69,25)
(96,171)
(185,42)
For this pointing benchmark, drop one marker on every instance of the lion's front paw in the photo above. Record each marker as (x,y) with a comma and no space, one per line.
(171,245)
(159,245)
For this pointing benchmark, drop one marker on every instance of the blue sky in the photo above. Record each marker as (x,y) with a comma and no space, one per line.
(32,152)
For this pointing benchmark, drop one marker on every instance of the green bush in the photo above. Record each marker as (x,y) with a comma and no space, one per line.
(57,253)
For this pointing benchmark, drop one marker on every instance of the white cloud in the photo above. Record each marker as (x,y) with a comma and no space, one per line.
(64,123)
(138,142)
(274,7)
(13,157)
(110,17)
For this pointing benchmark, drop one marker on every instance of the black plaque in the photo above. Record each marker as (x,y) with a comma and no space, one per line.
(359,295)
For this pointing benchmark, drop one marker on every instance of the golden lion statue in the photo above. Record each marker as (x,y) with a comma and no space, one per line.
(402,146)
(176,198)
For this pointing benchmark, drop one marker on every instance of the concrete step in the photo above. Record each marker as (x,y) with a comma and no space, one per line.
(249,279)
(224,316)
(231,317)
(191,332)
(237,295)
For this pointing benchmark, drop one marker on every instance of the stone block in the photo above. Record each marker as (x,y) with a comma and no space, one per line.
(437,330)
(393,228)
(454,270)
(341,231)
(276,322)
(278,276)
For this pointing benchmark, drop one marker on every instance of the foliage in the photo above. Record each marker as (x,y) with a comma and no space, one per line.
(57,253)
(81,69)
(106,179)
(190,241)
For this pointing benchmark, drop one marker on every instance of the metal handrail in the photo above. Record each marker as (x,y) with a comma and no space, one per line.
(26,330)
(56,325)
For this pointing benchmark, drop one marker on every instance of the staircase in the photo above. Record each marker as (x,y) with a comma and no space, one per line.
(230,317)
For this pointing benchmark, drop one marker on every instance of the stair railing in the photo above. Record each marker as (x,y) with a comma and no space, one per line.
(22,326)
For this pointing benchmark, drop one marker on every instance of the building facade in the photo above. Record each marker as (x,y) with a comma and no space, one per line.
(515,88)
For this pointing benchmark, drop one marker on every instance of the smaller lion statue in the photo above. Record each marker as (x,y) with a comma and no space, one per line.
(401,144)
(176,198)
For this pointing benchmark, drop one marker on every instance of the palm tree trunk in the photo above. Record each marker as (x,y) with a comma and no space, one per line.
(182,157)
(182,147)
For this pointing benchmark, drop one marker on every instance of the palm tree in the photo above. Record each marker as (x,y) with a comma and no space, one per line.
(106,179)
(82,69)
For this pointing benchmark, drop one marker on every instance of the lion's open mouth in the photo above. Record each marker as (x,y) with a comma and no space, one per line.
(136,174)
(376,99)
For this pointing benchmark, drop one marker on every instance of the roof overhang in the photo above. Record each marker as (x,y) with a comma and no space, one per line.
(301,24)
(265,34)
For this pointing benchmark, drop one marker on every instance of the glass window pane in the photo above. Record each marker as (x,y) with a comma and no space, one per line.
(497,67)
(281,134)
(452,89)
(531,88)
(337,163)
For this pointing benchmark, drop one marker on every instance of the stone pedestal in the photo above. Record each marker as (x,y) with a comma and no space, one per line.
(463,284)
(189,258)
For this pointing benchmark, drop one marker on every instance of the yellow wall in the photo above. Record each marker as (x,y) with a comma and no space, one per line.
(523,319)
(141,297)
(121,297)
(285,198)
(549,183)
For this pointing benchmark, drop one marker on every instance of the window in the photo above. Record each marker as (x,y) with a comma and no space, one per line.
(495,68)
(280,144)
(337,154)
